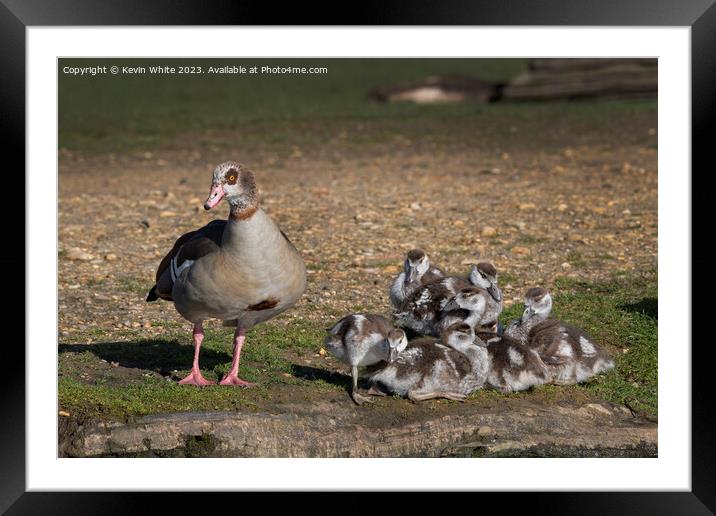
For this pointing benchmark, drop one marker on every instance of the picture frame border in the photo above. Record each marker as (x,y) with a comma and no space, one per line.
(17,15)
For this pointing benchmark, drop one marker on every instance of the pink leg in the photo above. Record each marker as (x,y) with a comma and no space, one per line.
(232,377)
(195,377)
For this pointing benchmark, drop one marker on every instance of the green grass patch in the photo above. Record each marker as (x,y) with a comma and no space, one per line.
(622,316)
(143,375)
(116,113)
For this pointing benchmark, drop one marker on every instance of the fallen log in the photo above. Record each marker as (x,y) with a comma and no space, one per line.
(324,429)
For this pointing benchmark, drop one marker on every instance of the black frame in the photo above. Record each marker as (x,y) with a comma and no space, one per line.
(16,15)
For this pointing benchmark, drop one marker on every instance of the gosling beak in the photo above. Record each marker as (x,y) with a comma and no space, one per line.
(393,355)
(526,315)
(216,194)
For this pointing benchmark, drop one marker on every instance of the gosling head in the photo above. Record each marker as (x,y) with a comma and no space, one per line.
(470,299)
(416,264)
(396,342)
(484,275)
(538,304)
(458,334)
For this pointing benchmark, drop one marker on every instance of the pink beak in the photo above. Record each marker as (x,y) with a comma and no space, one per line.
(216,194)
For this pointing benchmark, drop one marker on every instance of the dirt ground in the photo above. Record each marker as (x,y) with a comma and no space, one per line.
(582,210)
(538,200)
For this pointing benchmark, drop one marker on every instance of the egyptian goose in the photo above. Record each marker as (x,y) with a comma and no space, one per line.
(364,340)
(417,271)
(513,367)
(450,367)
(469,306)
(569,354)
(484,275)
(538,306)
(424,308)
(421,310)
(243,270)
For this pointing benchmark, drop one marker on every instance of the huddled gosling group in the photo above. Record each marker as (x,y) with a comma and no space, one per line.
(460,345)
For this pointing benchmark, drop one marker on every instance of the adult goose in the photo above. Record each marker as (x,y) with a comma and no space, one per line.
(243,270)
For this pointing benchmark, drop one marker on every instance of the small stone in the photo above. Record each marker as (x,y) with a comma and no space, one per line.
(574,237)
(626,212)
(136,324)
(458,223)
(147,324)
(194,200)
(322,352)
(167,213)
(110,257)
(63,413)
(485,431)
(527,206)
(78,254)
(114,364)
(521,250)
(415,206)
(391,269)
(488,231)
(467,261)
(566,266)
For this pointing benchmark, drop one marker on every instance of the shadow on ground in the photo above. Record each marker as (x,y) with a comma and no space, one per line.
(648,306)
(313,374)
(163,356)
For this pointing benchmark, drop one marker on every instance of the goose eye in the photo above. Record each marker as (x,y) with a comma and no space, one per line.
(232,178)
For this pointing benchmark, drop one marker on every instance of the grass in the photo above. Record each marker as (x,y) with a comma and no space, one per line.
(116,113)
(620,314)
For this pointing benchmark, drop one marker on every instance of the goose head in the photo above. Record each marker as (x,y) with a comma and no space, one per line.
(484,275)
(538,304)
(235,183)
(416,264)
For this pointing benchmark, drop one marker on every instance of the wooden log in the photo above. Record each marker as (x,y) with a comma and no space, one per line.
(572,78)
(560,64)
(514,427)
